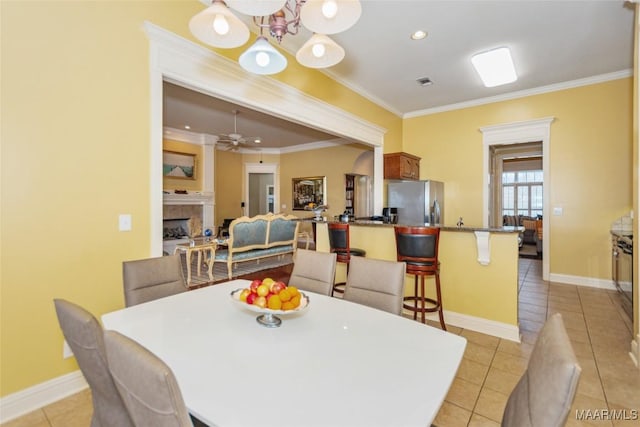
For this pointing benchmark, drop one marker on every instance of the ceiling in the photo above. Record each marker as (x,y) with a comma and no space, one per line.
(553,44)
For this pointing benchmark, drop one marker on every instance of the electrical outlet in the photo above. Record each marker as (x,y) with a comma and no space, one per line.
(66,350)
(242,204)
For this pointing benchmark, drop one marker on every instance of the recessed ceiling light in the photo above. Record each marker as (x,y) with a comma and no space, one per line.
(187,127)
(257,140)
(418,35)
(495,67)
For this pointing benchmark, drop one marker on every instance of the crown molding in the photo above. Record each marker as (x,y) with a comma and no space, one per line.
(523,93)
(208,139)
(188,136)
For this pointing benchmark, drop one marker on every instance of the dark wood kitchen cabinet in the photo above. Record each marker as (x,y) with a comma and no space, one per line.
(401,166)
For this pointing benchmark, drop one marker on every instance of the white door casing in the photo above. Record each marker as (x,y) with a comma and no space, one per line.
(520,133)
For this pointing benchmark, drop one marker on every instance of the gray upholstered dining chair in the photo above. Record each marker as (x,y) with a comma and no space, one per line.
(152,278)
(313,271)
(376,283)
(85,338)
(544,394)
(147,385)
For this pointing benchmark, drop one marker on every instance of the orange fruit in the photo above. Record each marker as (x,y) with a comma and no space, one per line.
(285,295)
(293,290)
(274,302)
(295,301)
(287,306)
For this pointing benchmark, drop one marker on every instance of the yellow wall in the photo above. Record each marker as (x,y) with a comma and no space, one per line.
(75,154)
(590,165)
(228,185)
(636,184)
(332,162)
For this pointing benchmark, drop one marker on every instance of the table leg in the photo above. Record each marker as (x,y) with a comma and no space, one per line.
(210,263)
(188,267)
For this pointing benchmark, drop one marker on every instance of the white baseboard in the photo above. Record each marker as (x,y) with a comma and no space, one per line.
(635,351)
(478,324)
(32,398)
(589,282)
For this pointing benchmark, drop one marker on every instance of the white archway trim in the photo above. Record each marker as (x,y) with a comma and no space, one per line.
(176,59)
(520,133)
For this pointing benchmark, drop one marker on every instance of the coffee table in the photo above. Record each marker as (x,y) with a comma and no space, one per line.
(200,246)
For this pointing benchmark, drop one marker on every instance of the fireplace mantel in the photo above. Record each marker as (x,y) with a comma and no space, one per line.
(192,198)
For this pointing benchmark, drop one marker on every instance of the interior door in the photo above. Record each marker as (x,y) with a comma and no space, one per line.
(259,185)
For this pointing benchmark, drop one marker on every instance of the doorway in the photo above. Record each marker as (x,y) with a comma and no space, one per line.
(517,189)
(261,189)
(261,196)
(512,134)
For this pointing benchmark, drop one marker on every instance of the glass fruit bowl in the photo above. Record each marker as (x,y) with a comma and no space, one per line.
(268,316)
(317,210)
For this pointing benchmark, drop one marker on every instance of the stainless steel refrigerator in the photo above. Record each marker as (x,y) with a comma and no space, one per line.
(418,202)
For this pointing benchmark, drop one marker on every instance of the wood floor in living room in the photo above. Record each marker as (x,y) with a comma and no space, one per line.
(598,328)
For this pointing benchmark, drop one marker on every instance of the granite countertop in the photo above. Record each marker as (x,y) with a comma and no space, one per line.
(370,223)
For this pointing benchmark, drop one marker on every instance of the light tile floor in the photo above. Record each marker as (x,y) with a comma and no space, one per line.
(600,333)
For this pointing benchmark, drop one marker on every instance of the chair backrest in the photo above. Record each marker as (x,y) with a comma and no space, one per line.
(544,394)
(376,283)
(83,333)
(418,247)
(223,231)
(339,240)
(313,271)
(147,385)
(152,278)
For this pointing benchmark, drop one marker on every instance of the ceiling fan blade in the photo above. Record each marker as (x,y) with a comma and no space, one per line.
(234,139)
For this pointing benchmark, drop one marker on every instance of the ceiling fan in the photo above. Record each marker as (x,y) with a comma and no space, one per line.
(235,140)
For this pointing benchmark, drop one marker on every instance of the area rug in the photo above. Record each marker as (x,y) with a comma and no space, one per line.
(529,251)
(240,269)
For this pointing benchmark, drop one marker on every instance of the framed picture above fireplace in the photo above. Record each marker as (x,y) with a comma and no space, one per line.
(308,190)
(178,165)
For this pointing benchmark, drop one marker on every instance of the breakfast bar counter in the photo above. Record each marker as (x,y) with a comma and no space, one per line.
(479,271)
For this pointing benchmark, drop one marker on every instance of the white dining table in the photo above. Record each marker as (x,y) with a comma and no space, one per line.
(336,363)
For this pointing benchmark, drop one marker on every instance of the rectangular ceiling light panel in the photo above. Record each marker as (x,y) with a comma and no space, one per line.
(495,67)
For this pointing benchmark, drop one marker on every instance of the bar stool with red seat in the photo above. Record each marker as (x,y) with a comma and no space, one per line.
(339,243)
(418,248)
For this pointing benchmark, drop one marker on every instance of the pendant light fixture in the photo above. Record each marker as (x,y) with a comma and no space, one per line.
(330,16)
(262,58)
(320,52)
(219,27)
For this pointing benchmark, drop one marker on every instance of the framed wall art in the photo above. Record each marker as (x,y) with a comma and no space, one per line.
(309,190)
(178,165)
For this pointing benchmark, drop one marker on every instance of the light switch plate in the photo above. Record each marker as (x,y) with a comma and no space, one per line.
(558,211)
(124,222)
